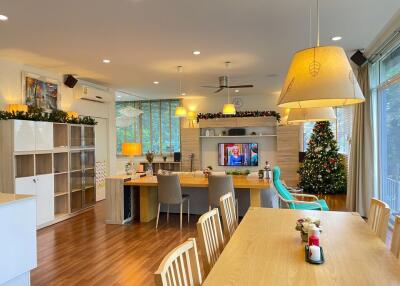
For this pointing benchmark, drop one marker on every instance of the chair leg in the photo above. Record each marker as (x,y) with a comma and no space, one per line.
(158,214)
(237,210)
(188,210)
(180,216)
(167,212)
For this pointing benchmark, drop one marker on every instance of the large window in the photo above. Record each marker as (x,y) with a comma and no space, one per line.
(157,128)
(385,86)
(341,128)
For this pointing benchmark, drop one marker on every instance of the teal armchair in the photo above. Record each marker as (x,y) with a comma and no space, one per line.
(291,199)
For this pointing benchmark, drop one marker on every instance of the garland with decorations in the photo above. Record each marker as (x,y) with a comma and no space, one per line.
(38,114)
(256,113)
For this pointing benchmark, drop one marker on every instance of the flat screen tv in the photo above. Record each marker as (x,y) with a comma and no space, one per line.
(238,154)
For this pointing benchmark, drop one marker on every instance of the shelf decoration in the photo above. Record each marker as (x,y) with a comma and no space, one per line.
(256,113)
(38,114)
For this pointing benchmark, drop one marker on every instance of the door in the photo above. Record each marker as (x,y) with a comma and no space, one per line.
(45,198)
(24,135)
(44,136)
(25,186)
(101,154)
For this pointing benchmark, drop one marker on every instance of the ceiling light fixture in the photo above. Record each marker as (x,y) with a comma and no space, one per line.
(183,93)
(106,61)
(196,53)
(320,76)
(180,110)
(336,38)
(3,18)
(236,90)
(229,108)
(156,82)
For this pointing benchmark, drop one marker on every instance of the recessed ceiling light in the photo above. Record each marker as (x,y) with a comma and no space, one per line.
(183,93)
(106,61)
(3,18)
(196,53)
(156,82)
(336,38)
(236,90)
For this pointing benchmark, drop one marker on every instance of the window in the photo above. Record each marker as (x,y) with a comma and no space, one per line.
(157,128)
(385,86)
(341,128)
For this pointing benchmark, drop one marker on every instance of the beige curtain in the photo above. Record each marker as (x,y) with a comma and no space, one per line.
(361,176)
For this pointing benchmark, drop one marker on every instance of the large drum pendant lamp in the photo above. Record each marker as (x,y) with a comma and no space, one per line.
(311,114)
(320,76)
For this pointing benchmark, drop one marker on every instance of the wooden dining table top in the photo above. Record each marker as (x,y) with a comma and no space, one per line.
(239,182)
(267,250)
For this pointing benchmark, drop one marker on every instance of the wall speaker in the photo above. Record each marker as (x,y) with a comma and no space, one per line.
(358,58)
(70,81)
(177,156)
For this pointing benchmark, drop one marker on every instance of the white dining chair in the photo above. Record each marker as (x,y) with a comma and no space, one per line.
(378,218)
(211,238)
(180,266)
(228,212)
(395,246)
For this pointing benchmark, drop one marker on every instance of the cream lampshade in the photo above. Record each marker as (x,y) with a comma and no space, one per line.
(311,114)
(229,109)
(180,111)
(17,107)
(320,77)
(131,150)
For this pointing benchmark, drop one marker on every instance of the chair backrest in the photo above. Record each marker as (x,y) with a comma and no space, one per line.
(180,266)
(280,188)
(228,212)
(169,189)
(211,238)
(395,247)
(378,217)
(219,186)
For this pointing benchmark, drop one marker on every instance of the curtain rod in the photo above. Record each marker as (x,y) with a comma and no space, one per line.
(386,46)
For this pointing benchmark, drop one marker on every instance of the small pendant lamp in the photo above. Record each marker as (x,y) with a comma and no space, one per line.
(320,76)
(229,108)
(180,110)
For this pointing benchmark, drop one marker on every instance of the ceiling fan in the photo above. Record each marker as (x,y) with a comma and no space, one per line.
(224,83)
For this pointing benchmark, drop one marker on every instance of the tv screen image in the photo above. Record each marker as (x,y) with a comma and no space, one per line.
(238,154)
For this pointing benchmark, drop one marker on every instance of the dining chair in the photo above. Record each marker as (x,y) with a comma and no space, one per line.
(378,218)
(219,185)
(211,238)
(229,218)
(180,266)
(291,199)
(170,193)
(395,246)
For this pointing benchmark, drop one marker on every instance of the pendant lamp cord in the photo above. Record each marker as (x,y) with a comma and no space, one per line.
(317,23)
(310,29)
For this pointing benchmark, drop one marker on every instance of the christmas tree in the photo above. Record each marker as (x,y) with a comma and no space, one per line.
(323,171)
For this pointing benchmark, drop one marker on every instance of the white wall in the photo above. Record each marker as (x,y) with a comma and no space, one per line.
(11,92)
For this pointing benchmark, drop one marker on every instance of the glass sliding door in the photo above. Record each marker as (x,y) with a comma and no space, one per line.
(389,143)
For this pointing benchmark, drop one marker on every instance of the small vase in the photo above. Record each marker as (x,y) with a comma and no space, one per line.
(149,171)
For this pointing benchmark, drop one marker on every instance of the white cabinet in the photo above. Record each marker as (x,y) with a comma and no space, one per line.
(43,136)
(42,187)
(32,136)
(24,135)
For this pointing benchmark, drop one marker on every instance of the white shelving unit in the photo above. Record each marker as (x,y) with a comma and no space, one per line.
(35,160)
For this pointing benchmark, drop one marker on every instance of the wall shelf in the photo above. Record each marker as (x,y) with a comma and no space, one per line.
(60,162)
(240,136)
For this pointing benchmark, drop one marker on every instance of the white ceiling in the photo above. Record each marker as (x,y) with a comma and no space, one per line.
(147,39)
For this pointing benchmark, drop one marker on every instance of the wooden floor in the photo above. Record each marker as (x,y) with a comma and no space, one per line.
(85,251)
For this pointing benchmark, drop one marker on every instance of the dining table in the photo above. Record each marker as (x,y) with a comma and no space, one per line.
(266,249)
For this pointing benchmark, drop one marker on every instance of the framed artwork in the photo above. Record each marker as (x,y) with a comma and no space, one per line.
(40,91)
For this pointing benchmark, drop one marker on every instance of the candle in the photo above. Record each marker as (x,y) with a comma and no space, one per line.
(314,252)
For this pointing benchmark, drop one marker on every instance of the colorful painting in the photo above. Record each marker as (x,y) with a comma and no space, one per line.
(40,93)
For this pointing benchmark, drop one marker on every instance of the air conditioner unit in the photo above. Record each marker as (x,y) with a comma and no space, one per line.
(91,93)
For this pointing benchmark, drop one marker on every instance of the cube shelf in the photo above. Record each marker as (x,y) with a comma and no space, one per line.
(60,162)
(88,132)
(24,166)
(60,184)
(76,136)
(61,205)
(76,201)
(60,135)
(44,164)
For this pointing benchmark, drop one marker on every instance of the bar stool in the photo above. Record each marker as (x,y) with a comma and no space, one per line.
(170,193)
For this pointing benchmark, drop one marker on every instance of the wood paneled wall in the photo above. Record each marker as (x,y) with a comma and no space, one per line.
(288,145)
(190,143)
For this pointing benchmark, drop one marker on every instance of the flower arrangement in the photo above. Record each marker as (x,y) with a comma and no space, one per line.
(304,224)
(237,172)
(150,156)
